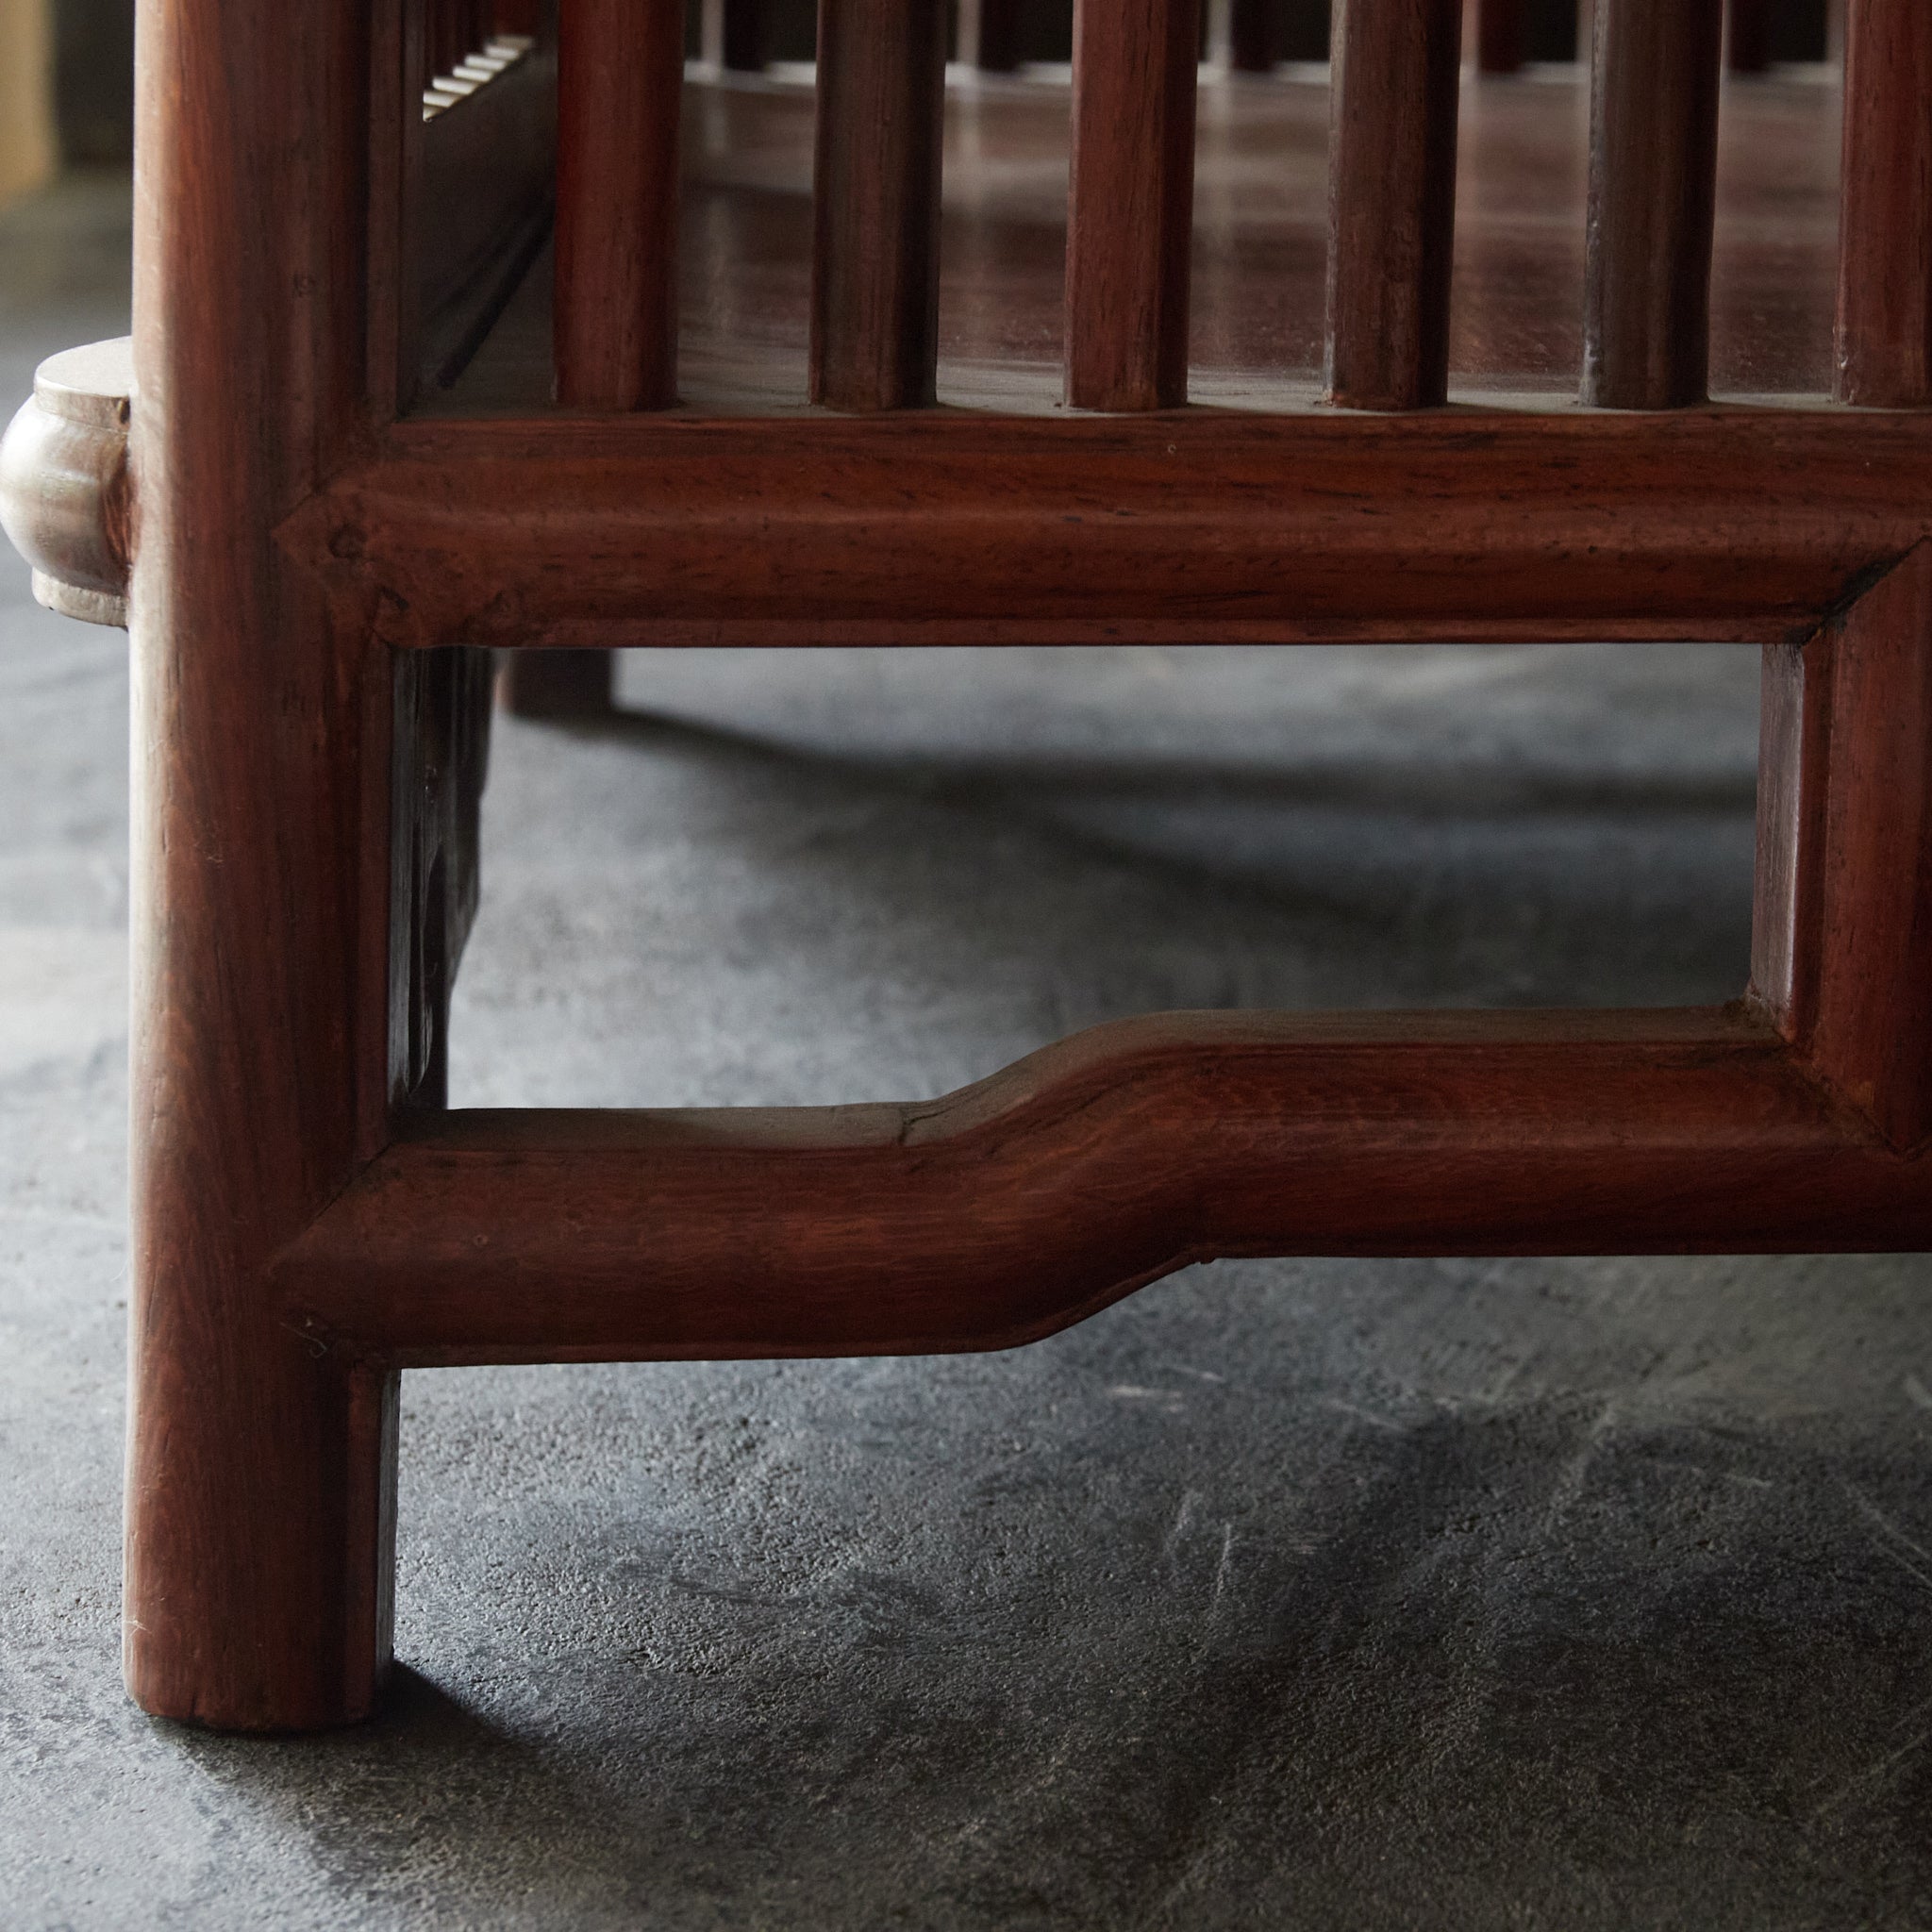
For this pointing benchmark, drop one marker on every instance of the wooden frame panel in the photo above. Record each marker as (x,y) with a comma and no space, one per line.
(308,1218)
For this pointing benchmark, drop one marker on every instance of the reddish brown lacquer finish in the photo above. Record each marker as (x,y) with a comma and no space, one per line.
(875,202)
(1391,201)
(1885,287)
(1130,216)
(1859,857)
(260,1469)
(1000,1213)
(313,588)
(1653,186)
(962,527)
(620,81)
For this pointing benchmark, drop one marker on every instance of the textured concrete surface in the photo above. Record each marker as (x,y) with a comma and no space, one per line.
(1566,1594)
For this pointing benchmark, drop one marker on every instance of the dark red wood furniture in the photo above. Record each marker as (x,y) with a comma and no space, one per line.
(319,544)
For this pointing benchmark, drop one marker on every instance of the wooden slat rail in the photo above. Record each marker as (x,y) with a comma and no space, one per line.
(1885,276)
(1016,1207)
(876,196)
(1130,216)
(1391,201)
(619,86)
(1652,188)
(1208,524)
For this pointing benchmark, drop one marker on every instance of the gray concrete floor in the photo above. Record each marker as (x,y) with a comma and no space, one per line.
(1469,1594)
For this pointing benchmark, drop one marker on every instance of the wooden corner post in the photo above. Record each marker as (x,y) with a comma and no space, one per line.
(261,1460)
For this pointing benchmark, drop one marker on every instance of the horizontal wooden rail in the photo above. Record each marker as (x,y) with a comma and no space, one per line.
(949,527)
(1015,1207)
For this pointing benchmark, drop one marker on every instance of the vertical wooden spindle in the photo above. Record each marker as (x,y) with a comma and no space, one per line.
(1253,35)
(1391,201)
(875,202)
(1130,218)
(1499,36)
(1885,230)
(1747,35)
(620,81)
(1653,190)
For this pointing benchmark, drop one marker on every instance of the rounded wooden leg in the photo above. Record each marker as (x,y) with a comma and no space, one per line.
(260,1531)
(262,873)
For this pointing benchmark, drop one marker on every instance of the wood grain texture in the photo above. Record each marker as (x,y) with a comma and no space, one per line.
(1391,201)
(1013,1209)
(1653,189)
(1863,898)
(1130,212)
(259,1474)
(1498,36)
(875,202)
(1885,273)
(309,757)
(620,80)
(952,527)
